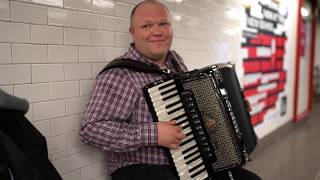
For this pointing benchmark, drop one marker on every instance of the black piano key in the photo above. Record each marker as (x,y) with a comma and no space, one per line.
(197,173)
(195,167)
(189,149)
(191,154)
(189,133)
(167,85)
(169,97)
(185,142)
(193,159)
(185,126)
(181,122)
(176,109)
(167,91)
(172,104)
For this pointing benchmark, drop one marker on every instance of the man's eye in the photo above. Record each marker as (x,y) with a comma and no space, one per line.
(146,26)
(164,24)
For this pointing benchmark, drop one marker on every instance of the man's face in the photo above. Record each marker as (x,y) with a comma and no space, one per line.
(151,31)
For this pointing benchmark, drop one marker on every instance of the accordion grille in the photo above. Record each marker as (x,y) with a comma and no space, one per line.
(215,118)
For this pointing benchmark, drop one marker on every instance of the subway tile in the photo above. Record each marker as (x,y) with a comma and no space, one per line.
(57,3)
(56,144)
(90,20)
(90,54)
(14,32)
(78,4)
(96,68)
(85,87)
(112,52)
(60,165)
(79,160)
(5,53)
(64,89)
(103,6)
(76,105)
(119,24)
(8,89)
(33,92)
(29,114)
(28,13)
(64,125)
(97,154)
(70,151)
(44,72)
(77,71)
(131,1)
(123,39)
(4,10)
(73,139)
(72,175)
(15,74)
(123,9)
(44,127)
(73,36)
(24,1)
(46,34)
(28,53)
(103,38)
(92,171)
(60,53)
(49,109)
(62,17)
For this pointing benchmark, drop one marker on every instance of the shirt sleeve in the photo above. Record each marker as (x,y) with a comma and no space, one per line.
(107,122)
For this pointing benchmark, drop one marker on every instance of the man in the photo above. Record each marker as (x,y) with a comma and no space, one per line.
(117,119)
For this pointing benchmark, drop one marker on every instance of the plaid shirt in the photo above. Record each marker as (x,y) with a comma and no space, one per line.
(117,119)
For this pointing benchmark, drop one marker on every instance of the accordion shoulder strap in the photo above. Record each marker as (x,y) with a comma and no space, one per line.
(134,65)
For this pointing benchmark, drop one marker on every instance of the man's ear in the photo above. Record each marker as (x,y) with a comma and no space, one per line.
(131,30)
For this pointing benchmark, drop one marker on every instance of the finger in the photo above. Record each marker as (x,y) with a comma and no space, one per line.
(180,136)
(174,146)
(172,122)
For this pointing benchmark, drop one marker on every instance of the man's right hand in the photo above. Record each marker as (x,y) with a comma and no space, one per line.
(169,134)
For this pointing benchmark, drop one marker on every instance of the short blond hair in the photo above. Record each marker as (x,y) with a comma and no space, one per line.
(141,3)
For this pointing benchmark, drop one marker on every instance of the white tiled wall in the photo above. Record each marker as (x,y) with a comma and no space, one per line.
(51,50)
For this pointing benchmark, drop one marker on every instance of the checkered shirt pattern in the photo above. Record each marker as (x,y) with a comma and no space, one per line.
(117,119)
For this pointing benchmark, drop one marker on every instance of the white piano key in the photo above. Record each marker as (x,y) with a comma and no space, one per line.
(201,176)
(193,156)
(178,152)
(166,111)
(161,104)
(160,98)
(158,93)
(165,105)
(185,174)
(199,168)
(186,139)
(156,88)
(172,116)
(181,119)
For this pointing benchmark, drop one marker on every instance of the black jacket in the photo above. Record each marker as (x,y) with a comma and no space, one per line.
(23,149)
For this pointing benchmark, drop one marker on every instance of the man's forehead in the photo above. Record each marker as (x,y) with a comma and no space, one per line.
(149,7)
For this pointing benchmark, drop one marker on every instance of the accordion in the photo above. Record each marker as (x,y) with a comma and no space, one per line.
(209,106)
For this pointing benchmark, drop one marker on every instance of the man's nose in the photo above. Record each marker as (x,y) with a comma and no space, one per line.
(157,30)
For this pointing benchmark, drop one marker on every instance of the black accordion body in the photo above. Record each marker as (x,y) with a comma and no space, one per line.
(209,106)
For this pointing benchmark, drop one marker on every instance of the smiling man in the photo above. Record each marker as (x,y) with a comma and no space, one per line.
(151,31)
(117,119)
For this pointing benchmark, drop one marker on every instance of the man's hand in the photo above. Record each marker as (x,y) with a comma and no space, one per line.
(169,134)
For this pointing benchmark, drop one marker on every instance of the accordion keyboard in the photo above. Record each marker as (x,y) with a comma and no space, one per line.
(168,105)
